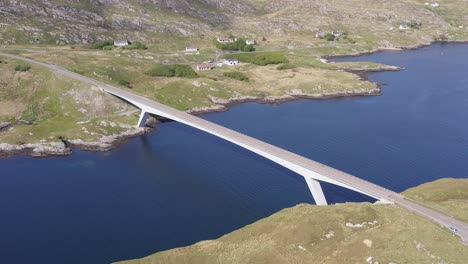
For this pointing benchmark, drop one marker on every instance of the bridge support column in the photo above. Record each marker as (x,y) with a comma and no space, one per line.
(316,190)
(143,117)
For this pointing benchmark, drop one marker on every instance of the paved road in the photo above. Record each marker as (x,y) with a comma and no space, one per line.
(302,165)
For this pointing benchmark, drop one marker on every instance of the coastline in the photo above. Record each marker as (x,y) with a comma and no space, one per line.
(108,143)
(65,146)
(402,48)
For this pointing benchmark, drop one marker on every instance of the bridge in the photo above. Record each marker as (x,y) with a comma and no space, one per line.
(312,171)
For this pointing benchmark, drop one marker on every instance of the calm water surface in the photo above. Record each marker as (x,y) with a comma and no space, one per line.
(178,185)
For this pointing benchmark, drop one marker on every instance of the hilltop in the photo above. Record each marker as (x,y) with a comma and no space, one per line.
(285,23)
(342,233)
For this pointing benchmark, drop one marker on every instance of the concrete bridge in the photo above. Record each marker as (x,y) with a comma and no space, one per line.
(312,171)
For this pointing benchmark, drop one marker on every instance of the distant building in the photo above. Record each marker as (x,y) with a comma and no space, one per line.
(121,43)
(226,40)
(250,42)
(432,4)
(205,67)
(337,34)
(404,27)
(230,62)
(191,49)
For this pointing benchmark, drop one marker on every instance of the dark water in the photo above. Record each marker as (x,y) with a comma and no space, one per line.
(179,185)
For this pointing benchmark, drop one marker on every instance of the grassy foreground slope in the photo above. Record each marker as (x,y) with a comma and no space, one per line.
(434,194)
(344,233)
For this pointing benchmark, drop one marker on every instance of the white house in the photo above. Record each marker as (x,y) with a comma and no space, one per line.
(404,27)
(432,4)
(191,49)
(205,67)
(230,62)
(226,40)
(337,34)
(250,42)
(121,43)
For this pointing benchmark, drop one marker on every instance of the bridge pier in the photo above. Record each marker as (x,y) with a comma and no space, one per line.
(143,117)
(316,190)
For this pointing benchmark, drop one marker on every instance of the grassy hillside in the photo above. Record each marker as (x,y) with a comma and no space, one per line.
(284,23)
(44,107)
(344,233)
(435,195)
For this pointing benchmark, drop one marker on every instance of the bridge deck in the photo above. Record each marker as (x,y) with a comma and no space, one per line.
(324,173)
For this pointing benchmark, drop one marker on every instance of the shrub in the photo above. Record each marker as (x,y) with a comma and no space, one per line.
(120,77)
(124,82)
(172,70)
(237,75)
(238,45)
(286,66)
(161,70)
(136,45)
(248,48)
(22,67)
(106,44)
(184,71)
(329,37)
(261,58)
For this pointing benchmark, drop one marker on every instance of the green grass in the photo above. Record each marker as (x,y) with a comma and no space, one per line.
(175,70)
(22,67)
(237,76)
(436,195)
(286,66)
(261,59)
(56,107)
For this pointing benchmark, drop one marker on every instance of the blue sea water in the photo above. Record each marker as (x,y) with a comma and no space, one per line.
(178,185)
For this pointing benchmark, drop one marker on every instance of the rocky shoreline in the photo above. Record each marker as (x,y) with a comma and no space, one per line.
(384,49)
(108,143)
(222,105)
(65,147)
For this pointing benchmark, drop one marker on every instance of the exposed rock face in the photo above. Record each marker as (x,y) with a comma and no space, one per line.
(65,148)
(109,142)
(85,21)
(35,150)
(4,126)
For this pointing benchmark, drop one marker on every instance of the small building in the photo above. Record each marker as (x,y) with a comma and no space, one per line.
(337,34)
(191,49)
(226,40)
(205,66)
(404,27)
(250,42)
(121,43)
(230,62)
(432,4)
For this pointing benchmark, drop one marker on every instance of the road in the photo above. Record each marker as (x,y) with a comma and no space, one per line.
(304,166)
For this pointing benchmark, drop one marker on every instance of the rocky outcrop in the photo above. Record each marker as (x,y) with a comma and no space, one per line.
(107,143)
(4,126)
(35,150)
(223,104)
(87,21)
(65,147)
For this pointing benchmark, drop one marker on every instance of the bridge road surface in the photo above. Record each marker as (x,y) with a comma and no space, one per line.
(325,172)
